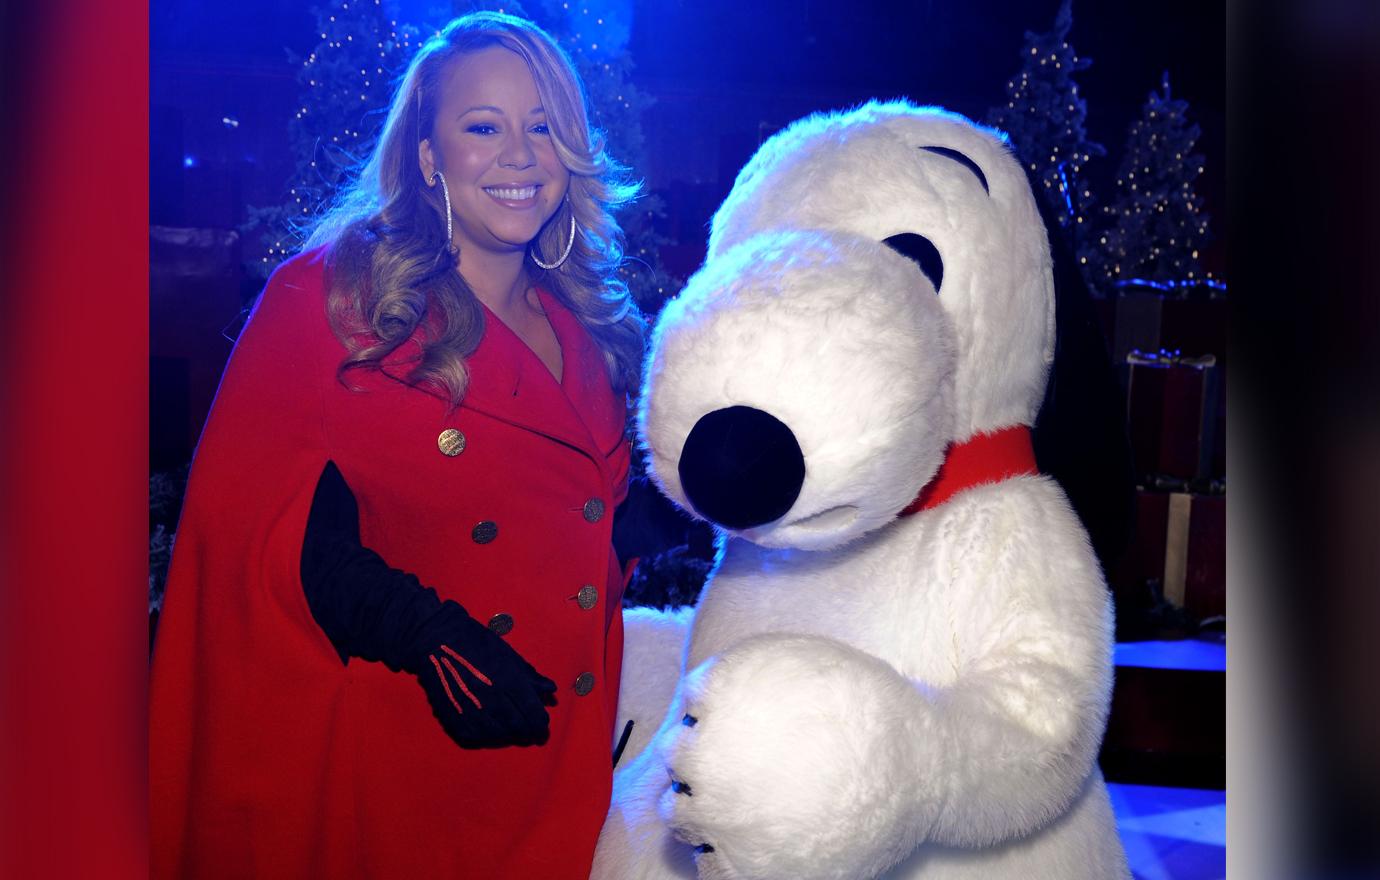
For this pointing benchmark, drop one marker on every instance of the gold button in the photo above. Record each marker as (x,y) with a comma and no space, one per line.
(588,596)
(451,442)
(594,510)
(484,532)
(501,624)
(584,683)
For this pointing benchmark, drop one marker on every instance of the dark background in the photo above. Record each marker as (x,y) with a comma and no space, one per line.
(723,76)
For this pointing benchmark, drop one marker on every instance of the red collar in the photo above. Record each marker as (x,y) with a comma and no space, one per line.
(982,458)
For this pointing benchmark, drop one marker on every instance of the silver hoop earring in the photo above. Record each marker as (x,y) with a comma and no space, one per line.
(445,191)
(532,251)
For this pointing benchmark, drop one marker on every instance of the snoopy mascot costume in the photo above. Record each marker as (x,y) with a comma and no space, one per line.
(901,664)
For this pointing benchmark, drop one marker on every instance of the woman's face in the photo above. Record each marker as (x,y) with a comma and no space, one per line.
(491,142)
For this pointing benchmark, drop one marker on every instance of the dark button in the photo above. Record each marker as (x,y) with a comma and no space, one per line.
(501,624)
(451,442)
(594,510)
(584,683)
(484,532)
(588,596)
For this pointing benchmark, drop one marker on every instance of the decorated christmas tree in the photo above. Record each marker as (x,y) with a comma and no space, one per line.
(1154,228)
(344,86)
(1044,117)
(347,81)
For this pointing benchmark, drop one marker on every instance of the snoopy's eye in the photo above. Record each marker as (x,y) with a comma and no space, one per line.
(922,251)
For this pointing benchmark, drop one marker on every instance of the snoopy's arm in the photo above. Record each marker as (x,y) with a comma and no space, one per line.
(789,744)
(1024,717)
(653,655)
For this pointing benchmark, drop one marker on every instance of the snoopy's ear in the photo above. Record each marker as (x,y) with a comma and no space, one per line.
(922,252)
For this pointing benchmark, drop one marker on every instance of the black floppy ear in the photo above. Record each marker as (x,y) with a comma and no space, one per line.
(922,251)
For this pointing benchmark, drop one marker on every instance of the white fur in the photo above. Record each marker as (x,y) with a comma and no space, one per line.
(654,644)
(804,325)
(912,698)
(865,172)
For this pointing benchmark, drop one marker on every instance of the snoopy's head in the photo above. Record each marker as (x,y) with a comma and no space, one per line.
(877,287)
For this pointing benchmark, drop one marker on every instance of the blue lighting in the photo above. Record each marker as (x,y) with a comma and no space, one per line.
(1200,655)
(603,26)
(1064,191)
(1173,285)
(188,161)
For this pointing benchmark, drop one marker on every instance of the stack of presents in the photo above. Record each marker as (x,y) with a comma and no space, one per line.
(1167,724)
(1171,352)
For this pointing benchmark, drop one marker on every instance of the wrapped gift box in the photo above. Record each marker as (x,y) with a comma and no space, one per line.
(1167,725)
(1193,322)
(1144,559)
(1195,554)
(1180,541)
(1173,415)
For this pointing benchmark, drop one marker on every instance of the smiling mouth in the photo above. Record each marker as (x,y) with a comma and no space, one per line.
(831,519)
(512,194)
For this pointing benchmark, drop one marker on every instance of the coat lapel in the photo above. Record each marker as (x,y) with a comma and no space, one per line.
(585,377)
(509,382)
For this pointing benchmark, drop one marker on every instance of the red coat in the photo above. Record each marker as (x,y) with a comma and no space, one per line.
(268,758)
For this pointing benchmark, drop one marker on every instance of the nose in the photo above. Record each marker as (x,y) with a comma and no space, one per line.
(741,467)
(517,153)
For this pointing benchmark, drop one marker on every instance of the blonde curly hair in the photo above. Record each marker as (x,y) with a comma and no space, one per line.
(388,261)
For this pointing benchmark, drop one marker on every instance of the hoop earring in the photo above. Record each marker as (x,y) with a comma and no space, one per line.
(532,250)
(445,191)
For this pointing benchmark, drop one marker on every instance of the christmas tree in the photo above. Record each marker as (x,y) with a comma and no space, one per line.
(1044,116)
(1155,227)
(345,85)
(347,82)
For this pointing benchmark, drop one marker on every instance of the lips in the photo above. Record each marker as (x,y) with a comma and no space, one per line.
(512,193)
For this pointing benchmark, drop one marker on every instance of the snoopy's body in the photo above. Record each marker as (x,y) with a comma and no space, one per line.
(920,605)
(859,693)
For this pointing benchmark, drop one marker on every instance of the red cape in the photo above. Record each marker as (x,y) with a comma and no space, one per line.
(268,758)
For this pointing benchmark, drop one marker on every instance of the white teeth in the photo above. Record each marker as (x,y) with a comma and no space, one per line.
(511,195)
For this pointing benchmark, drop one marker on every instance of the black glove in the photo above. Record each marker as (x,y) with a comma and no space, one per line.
(481,690)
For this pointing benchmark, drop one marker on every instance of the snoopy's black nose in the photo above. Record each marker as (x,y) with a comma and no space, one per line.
(741,467)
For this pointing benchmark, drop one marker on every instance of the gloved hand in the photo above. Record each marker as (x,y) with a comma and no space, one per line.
(481,690)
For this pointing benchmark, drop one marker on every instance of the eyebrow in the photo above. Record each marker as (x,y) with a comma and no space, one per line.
(950,153)
(533,112)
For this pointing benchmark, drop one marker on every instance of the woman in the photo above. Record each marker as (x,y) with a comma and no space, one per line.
(409,478)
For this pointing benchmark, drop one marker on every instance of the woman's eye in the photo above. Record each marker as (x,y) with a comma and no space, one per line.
(541,128)
(481,128)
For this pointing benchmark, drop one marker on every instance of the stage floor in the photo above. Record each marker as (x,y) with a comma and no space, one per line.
(1172,833)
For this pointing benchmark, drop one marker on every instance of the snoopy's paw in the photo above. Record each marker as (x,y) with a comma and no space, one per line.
(798,756)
